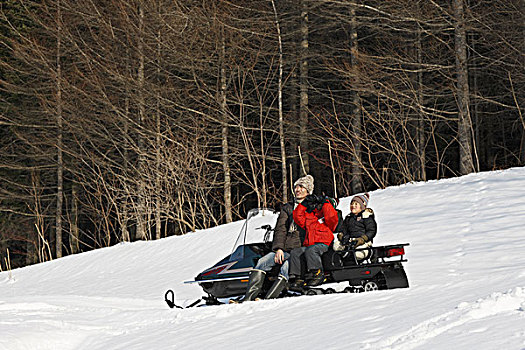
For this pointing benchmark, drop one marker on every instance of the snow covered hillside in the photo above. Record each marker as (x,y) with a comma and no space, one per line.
(466,268)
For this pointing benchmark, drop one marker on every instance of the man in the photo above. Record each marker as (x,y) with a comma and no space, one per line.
(287,236)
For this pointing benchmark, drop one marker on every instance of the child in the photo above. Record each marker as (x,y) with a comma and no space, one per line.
(359,226)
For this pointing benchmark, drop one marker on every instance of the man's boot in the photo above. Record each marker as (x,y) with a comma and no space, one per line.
(297,285)
(254,285)
(277,288)
(317,278)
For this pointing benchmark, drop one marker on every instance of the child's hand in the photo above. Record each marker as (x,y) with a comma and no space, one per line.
(361,240)
(345,240)
(310,202)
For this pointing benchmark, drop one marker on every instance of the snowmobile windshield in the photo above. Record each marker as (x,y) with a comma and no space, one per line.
(253,230)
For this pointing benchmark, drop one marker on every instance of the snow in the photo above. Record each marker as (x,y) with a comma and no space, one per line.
(465,267)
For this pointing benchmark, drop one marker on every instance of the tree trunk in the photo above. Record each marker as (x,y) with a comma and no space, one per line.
(293,128)
(74,240)
(420,129)
(355,114)
(225,132)
(60,160)
(141,205)
(520,103)
(263,157)
(3,254)
(280,101)
(125,202)
(158,197)
(522,147)
(473,73)
(466,163)
(303,83)
(31,250)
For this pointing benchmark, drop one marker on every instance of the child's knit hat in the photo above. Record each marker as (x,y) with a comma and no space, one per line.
(362,199)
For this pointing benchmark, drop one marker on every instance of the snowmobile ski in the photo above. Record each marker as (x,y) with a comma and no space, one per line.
(169,298)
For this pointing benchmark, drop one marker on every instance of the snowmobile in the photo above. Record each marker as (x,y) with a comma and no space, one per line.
(381,269)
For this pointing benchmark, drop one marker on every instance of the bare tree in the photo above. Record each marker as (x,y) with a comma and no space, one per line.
(303,84)
(355,114)
(282,144)
(60,145)
(225,133)
(466,161)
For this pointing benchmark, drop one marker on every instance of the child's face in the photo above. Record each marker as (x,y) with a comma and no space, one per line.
(355,207)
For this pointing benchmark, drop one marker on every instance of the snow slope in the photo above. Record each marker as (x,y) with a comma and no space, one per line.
(466,268)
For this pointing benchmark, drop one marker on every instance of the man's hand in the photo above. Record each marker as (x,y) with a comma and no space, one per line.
(279,256)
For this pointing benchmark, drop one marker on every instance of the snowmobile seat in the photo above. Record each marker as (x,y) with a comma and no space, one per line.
(332,260)
(355,256)
(364,253)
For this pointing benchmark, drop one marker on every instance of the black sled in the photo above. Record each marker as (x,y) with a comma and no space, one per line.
(382,269)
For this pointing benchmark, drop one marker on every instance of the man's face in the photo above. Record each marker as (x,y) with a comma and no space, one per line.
(355,207)
(300,192)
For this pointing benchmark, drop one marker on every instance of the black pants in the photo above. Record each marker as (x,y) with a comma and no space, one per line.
(305,259)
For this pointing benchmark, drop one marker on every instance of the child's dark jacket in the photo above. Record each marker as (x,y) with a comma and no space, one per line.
(364,223)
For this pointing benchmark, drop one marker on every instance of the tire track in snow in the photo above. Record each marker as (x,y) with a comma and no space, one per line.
(510,301)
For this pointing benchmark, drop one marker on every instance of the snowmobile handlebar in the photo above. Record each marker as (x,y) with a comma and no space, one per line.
(268,229)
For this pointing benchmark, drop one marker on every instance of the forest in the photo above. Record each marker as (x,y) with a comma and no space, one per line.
(126,120)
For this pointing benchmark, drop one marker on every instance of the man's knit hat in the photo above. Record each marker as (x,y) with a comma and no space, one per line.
(306,182)
(362,199)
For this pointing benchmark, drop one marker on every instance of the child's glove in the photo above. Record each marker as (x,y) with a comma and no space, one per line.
(310,202)
(345,240)
(360,241)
